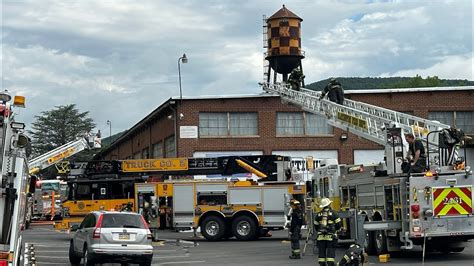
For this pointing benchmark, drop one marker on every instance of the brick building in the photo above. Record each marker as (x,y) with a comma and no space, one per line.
(261,124)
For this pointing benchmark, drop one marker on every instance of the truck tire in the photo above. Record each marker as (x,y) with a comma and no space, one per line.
(74,259)
(369,243)
(244,228)
(213,228)
(380,242)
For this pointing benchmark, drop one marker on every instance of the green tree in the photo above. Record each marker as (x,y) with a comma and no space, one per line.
(57,127)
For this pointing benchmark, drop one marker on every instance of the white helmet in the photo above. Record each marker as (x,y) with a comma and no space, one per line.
(325,202)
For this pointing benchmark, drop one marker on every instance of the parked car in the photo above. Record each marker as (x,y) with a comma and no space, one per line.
(111,237)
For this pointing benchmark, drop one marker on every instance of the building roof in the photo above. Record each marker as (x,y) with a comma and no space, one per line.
(284,13)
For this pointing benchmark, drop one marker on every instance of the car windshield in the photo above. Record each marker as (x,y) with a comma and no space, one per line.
(122,220)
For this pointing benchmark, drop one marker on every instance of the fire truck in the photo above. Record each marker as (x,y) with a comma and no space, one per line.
(383,208)
(14,179)
(46,202)
(182,202)
(244,209)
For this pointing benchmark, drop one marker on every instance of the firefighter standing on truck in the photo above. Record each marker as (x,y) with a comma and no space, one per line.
(326,223)
(295,228)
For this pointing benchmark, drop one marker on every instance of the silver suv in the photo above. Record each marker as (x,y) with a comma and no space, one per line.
(111,237)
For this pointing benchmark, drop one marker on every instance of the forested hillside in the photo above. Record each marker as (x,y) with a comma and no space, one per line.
(355,83)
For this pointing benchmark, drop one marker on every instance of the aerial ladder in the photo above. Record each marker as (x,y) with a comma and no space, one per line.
(380,125)
(60,153)
(36,205)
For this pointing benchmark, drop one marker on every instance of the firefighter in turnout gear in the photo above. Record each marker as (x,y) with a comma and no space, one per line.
(296,216)
(334,91)
(354,256)
(296,78)
(326,223)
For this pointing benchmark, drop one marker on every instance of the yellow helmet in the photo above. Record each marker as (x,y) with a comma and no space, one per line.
(295,202)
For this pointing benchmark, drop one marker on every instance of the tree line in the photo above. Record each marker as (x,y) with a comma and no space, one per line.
(357,83)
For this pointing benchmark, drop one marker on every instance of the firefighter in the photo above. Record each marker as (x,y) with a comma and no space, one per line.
(334,91)
(354,256)
(417,158)
(296,217)
(326,223)
(295,79)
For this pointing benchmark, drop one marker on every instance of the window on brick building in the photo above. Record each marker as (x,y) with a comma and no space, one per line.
(170,150)
(460,119)
(137,155)
(145,153)
(316,125)
(228,124)
(301,124)
(157,150)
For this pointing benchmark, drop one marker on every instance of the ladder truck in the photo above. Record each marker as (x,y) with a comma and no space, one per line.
(14,179)
(44,203)
(384,208)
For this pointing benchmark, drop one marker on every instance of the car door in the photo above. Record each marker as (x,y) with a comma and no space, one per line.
(89,229)
(80,236)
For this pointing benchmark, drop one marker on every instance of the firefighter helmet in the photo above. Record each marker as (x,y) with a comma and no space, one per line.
(325,202)
(294,202)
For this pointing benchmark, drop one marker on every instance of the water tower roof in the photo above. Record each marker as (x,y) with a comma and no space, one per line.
(284,13)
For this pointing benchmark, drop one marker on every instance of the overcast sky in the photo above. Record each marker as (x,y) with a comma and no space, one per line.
(118,59)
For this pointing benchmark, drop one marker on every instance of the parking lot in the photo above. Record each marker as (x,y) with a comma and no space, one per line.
(180,249)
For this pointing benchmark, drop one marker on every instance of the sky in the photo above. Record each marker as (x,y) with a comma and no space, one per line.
(119,59)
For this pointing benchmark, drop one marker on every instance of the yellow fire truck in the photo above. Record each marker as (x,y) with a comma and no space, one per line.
(221,209)
(111,186)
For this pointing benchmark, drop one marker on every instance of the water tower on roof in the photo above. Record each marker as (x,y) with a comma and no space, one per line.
(282,38)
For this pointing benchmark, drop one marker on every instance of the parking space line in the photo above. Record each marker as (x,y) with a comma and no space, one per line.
(49,257)
(181,262)
(171,257)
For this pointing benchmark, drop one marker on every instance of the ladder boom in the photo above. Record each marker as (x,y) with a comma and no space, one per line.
(54,156)
(365,120)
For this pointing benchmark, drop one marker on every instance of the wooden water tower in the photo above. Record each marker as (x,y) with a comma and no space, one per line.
(283,35)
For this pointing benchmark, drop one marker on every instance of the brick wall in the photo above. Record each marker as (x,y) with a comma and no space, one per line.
(418,103)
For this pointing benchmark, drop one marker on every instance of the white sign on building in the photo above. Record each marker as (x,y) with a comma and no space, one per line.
(188,132)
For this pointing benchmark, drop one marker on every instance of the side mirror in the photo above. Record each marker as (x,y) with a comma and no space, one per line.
(74,227)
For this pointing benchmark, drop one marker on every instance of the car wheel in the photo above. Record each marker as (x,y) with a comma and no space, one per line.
(380,242)
(244,228)
(213,228)
(87,259)
(145,263)
(73,258)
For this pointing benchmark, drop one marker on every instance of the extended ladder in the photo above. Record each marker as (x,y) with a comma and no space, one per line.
(58,154)
(365,120)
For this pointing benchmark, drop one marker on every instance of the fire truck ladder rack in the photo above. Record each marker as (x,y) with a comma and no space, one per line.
(364,120)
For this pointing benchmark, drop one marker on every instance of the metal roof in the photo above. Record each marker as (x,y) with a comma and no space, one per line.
(284,13)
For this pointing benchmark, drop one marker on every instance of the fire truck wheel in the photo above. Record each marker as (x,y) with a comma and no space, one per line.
(244,228)
(213,228)
(380,242)
(369,243)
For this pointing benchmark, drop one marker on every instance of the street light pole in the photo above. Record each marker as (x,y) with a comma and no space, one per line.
(184,60)
(109,123)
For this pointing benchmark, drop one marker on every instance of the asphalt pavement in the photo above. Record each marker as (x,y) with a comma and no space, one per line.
(178,248)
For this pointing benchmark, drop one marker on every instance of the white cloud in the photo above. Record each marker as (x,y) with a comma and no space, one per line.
(109,55)
(450,67)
